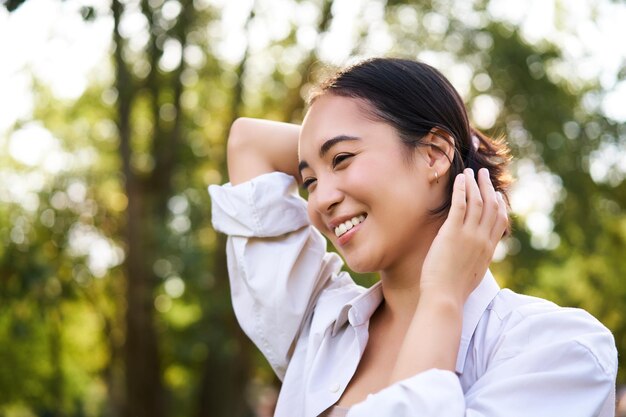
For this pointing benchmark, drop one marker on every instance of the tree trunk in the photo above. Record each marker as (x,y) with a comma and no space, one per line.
(143,375)
(226,374)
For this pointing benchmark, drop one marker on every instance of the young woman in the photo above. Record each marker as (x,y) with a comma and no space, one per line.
(400,184)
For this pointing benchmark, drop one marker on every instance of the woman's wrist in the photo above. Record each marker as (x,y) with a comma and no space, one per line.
(442,295)
(440,300)
(433,337)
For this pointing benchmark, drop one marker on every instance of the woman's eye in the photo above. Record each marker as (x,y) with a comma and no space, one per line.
(339,158)
(307,183)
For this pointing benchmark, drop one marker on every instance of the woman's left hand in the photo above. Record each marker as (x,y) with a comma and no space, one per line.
(463,248)
(455,264)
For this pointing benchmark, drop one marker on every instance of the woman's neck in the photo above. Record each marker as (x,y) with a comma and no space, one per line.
(401,294)
(401,282)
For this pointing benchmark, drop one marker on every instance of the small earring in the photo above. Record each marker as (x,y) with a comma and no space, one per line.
(437,177)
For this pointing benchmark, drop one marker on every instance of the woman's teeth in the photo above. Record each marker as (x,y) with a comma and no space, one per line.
(349,224)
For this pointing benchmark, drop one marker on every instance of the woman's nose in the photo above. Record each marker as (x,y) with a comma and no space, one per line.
(327,195)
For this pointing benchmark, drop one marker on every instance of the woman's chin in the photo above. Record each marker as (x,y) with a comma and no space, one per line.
(361,266)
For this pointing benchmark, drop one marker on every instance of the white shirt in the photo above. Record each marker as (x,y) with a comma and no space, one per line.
(518,356)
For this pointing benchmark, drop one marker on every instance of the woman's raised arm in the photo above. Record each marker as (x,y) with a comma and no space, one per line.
(257,146)
(278,265)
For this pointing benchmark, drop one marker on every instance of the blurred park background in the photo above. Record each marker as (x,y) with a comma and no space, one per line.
(114,298)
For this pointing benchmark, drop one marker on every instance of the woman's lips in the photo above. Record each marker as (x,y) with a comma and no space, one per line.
(347,236)
(347,225)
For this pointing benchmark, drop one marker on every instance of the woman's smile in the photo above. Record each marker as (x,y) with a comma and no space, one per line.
(345,231)
(342,227)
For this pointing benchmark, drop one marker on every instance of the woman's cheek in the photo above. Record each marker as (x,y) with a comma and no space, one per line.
(315,219)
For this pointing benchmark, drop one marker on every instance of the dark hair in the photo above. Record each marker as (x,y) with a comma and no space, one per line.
(414,98)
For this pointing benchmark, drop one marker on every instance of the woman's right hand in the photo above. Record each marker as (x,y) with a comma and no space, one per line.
(257,146)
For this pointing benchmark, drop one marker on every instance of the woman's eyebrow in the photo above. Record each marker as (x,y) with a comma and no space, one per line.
(333,141)
(302,165)
(326,147)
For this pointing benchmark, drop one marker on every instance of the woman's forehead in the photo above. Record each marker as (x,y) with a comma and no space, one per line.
(330,116)
(336,121)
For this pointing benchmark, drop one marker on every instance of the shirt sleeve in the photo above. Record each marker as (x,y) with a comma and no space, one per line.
(277,262)
(537,370)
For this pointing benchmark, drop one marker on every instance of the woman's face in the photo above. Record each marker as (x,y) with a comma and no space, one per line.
(359,175)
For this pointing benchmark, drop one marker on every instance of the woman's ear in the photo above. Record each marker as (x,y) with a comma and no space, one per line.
(438,151)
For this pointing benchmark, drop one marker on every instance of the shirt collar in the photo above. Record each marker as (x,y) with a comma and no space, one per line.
(359,310)
(473,310)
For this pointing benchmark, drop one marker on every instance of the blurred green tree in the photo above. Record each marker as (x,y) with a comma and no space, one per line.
(113,286)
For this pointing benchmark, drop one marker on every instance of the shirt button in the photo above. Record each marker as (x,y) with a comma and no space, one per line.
(334,387)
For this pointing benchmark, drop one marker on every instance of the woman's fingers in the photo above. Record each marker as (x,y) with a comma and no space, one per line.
(486,212)
(478,206)
(458,204)
(474,199)
(490,200)
(502,220)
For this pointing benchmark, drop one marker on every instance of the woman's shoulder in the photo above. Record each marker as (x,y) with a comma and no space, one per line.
(526,323)
(513,307)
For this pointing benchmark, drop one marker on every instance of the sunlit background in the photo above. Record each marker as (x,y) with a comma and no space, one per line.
(548,74)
